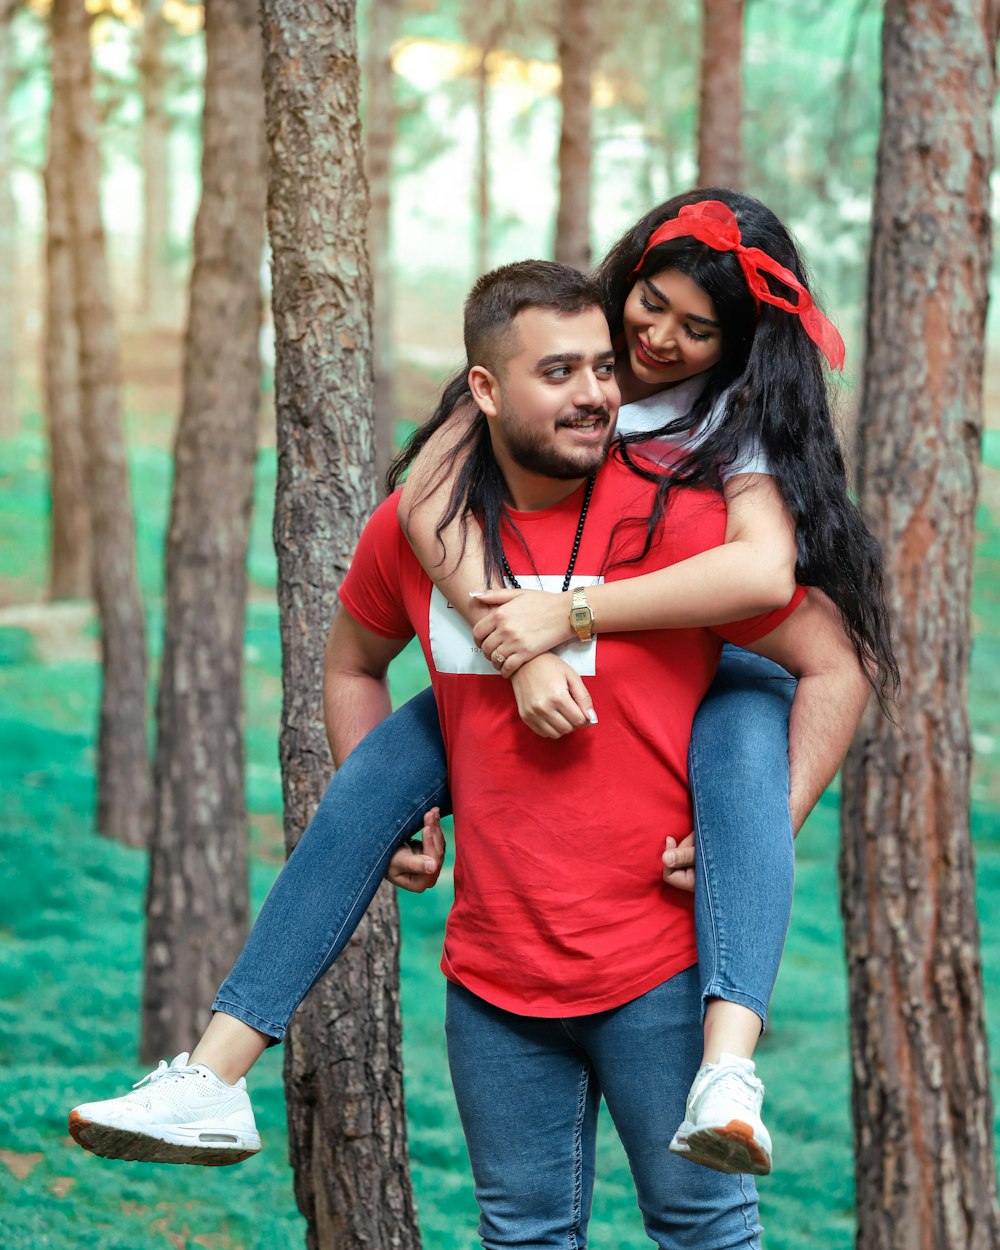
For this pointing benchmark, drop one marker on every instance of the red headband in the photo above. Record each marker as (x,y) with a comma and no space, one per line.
(712,222)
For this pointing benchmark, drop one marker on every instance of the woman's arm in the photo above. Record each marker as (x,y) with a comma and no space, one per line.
(551,698)
(456,570)
(753,571)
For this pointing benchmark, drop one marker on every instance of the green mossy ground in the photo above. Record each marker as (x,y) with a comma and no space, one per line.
(71,945)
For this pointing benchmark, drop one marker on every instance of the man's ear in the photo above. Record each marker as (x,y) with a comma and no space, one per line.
(485,389)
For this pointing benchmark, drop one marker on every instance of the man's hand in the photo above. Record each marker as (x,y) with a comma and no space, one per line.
(417,864)
(678,863)
(551,697)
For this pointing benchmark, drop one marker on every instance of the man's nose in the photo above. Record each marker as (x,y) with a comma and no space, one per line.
(590,394)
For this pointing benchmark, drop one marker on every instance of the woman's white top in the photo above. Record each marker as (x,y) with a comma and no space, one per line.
(650,413)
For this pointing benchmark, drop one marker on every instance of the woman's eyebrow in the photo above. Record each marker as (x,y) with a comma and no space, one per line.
(702,321)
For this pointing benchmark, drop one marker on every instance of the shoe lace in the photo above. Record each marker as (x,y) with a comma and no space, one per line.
(162,1071)
(739,1087)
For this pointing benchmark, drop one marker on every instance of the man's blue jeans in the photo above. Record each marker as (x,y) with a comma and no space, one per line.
(739,778)
(528,1092)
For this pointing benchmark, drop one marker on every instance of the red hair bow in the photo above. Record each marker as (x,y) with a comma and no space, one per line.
(714,223)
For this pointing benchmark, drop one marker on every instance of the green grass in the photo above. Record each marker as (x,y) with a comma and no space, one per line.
(71,949)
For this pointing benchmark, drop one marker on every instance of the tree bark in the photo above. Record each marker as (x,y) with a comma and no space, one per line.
(720,117)
(381,139)
(342,1063)
(197,897)
(922,1111)
(69,531)
(482,192)
(8,241)
(577,59)
(157,284)
(123,789)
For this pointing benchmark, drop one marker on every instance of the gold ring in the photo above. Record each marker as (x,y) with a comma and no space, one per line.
(498,658)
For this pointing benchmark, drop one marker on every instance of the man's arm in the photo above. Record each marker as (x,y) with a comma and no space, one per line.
(831,696)
(355,689)
(355,699)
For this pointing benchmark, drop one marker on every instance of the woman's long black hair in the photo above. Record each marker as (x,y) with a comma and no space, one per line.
(774,397)
(771,376)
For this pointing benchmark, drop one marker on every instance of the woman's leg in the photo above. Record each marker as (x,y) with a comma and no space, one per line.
(376,800)
(744,865)
(744,872)
(197,1110)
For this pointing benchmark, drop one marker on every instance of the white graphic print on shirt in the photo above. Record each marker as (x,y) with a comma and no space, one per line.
(454,650)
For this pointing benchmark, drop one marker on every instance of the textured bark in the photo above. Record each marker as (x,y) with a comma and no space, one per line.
(69,532)
(577,57)
(381,139)
(342,1063)
(720,117)
(482,189)
(8,242)
(123,789)
(157,284)
(197,898)
(922,1111)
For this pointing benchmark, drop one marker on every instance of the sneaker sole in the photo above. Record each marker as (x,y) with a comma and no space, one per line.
(730,1148)
(120,1143)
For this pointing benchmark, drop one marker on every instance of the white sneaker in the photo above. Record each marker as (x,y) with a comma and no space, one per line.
(178,1114)
(722,1128)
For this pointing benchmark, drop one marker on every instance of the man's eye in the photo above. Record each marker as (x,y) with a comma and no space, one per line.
(560,371)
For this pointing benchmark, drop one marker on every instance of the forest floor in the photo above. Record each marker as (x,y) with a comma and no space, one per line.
(71,907)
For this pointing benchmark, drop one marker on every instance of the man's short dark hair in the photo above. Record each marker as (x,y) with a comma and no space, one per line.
(498,296)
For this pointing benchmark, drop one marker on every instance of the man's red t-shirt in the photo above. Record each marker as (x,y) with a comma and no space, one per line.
(560,908)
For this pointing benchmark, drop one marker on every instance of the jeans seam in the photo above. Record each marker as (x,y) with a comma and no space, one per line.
(749,1204)
(581,1112)
(700,851)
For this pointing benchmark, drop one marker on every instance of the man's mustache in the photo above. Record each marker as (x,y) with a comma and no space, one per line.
(585,414)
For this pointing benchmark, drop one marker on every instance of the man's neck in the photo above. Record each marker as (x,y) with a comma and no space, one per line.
(531,492)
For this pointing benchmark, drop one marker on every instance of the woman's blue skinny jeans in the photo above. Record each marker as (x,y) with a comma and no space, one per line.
(743,838)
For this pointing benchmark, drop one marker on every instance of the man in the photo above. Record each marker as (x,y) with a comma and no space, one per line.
(571,966)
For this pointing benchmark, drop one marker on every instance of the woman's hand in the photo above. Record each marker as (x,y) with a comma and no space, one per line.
(551,697)
(522,624)
(678,863)
(416,865)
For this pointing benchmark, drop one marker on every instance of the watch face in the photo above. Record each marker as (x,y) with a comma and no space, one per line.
(582,617)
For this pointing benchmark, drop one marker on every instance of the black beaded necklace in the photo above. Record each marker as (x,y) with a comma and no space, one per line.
(509,576)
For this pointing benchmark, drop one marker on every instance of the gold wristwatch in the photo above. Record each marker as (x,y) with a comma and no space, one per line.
(581,617)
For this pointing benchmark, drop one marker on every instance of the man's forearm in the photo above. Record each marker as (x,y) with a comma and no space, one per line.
(825,713)
(353,705)
(831,695)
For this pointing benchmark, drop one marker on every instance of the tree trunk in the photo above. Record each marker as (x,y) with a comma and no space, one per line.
(69,533)
(197,899)
(123,790)
(381,139)
(342,1063)
(8,242)
(577,58)
(157,284)
(720,117)
(922,1110)
(483,159)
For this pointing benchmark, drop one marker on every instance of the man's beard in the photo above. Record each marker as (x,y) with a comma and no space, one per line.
(528,449)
